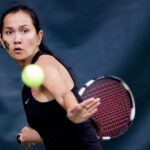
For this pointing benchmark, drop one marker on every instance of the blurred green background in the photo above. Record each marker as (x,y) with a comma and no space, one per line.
(94,37)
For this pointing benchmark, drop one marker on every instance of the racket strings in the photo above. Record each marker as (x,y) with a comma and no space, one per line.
(111,94)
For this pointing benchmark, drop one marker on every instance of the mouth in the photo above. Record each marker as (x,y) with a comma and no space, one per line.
(18,50)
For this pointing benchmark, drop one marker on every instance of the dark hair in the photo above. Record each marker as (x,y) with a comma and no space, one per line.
(34,19)
(36,24)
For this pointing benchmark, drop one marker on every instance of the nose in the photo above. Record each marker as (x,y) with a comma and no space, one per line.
(17,38)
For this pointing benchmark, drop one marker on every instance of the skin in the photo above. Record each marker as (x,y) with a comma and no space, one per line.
(6,44)
(21,41)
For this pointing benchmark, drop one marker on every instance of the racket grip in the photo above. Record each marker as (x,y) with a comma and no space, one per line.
(18,139)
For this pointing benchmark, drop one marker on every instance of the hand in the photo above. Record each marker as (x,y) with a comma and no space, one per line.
(29,137)
(83,111)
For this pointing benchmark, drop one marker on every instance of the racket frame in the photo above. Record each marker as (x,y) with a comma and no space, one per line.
(133,109)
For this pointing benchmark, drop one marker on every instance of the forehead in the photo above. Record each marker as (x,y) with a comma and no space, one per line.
(18,19)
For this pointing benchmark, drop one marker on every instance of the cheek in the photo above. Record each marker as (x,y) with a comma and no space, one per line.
(6,44)
(31,41)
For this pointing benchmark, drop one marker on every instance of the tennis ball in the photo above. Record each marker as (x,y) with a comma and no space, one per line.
(33,76)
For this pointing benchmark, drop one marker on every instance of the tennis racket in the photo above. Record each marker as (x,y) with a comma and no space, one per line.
(117,109)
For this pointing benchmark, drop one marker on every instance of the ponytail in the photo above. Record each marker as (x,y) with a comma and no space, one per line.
(45,49)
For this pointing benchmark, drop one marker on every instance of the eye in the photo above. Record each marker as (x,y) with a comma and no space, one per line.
(25,30)
(8,32)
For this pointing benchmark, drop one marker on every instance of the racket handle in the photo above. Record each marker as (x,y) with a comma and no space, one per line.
(18,139)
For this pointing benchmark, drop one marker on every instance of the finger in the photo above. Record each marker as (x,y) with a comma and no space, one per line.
(93,104)
(89,102)
(89,114)
(22,139)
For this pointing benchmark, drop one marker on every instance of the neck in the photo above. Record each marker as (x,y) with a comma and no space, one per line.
(27,61)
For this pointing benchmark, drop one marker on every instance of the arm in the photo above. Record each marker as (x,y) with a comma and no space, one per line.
(59,89)
(28,137)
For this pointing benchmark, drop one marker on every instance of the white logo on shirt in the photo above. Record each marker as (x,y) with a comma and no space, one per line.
(26,102)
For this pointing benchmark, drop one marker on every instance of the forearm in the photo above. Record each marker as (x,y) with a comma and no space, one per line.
(69,100)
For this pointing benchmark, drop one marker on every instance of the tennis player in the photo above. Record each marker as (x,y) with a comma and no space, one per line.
(56,115)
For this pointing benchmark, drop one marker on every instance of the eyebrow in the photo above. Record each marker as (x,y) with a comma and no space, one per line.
(22,26)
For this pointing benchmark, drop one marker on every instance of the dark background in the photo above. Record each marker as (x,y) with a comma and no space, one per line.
(94,37)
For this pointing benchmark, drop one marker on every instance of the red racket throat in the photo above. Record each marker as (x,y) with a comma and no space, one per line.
(117,109)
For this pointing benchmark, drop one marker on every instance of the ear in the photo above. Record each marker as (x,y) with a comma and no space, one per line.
(40,37)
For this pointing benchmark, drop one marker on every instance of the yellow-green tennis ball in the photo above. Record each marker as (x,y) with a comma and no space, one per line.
(33,76)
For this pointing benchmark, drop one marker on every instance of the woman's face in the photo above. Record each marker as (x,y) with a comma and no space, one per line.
(19,36)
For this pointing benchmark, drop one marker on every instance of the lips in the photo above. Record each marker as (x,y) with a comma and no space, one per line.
(18,50)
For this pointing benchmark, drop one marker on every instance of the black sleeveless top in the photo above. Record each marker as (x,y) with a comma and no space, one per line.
(56,130)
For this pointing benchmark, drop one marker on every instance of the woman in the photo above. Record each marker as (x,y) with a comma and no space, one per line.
(57,116)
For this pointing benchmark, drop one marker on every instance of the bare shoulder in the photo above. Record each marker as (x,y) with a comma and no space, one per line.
(54,68)
(51,60)
(50,63)
(47,62)
(46,59)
